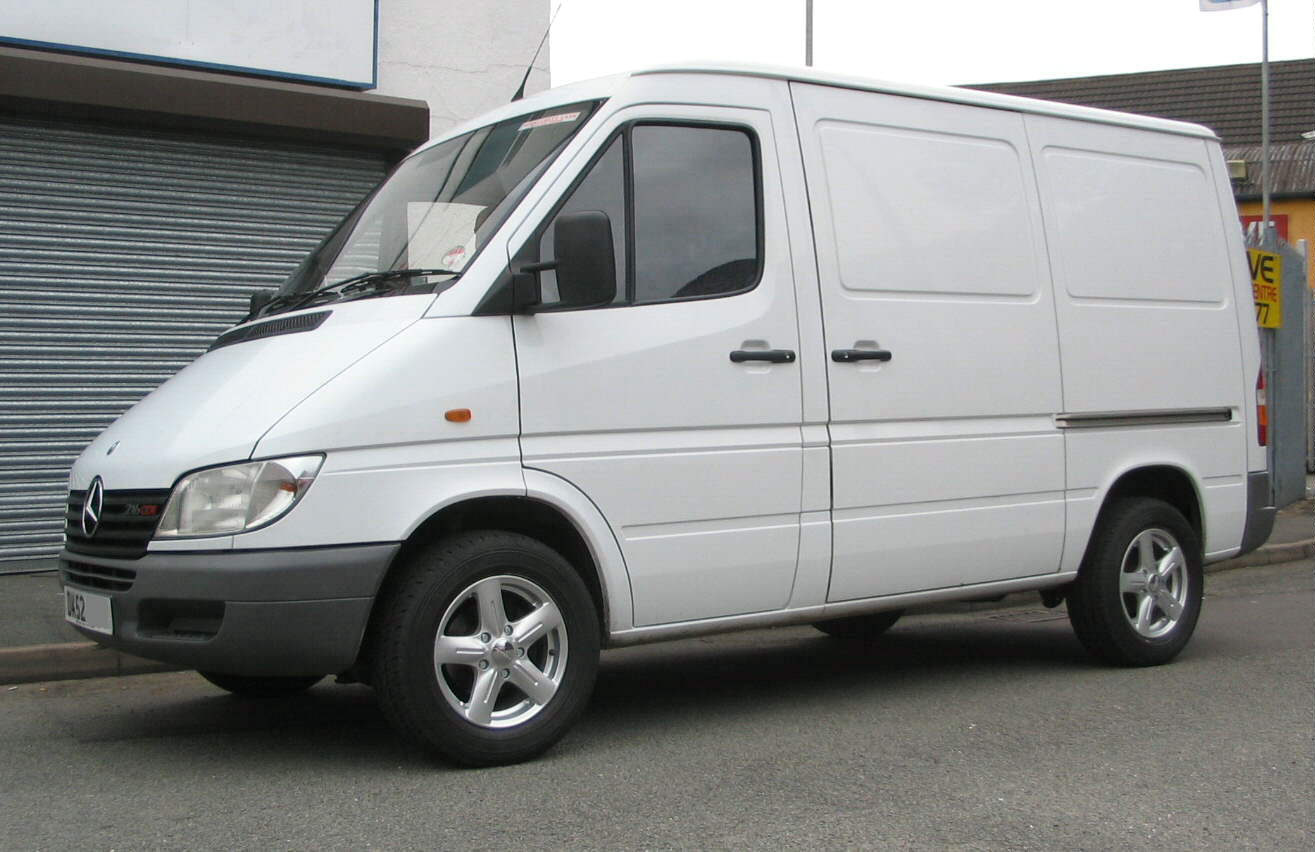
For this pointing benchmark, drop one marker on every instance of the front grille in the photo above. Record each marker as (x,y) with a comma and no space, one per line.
(127,522)
(98,576)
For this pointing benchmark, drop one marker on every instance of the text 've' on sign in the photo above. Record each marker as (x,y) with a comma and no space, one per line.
(1267,287)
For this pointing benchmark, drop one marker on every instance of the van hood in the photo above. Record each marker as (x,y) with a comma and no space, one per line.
(216,409)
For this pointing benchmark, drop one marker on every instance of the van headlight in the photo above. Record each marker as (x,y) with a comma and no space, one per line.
(237,497)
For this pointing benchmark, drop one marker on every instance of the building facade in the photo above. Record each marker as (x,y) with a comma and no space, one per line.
(159,162)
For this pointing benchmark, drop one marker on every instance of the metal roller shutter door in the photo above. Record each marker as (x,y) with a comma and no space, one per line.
(123,253)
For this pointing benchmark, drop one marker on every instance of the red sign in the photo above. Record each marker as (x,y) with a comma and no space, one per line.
(1280,221)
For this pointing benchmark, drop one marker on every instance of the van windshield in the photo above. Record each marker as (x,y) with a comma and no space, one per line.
(423,225)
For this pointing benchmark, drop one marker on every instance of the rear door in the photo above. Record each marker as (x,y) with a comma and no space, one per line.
(941,345)
(693,454)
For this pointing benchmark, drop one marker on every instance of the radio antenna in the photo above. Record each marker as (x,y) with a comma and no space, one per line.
(520,93)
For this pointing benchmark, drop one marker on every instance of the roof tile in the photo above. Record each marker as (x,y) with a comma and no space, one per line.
(1225,98)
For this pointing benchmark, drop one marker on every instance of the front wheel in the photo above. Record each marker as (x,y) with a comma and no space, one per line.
(486,648)
(1138,592)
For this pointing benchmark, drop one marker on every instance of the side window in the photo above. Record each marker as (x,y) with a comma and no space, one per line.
(696,212)
(683,203)
(603,189)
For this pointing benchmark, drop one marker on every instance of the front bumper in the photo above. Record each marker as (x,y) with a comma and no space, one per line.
(256,612)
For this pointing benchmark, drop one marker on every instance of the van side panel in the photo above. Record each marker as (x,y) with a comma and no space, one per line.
(948,468)
(1147,318)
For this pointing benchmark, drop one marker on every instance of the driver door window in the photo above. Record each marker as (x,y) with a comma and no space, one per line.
(684,205)
(695,205)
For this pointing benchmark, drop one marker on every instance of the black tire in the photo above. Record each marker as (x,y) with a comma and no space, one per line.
(1106,602)
(860,628)
(449,586)
(251,686)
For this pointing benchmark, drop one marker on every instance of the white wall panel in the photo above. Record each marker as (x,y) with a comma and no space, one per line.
(322,40)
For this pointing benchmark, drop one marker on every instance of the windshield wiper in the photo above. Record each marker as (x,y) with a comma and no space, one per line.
(381,280)
(375,282)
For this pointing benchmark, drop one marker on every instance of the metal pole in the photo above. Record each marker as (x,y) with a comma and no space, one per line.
(1308,353)
(1266,240)
(808,33)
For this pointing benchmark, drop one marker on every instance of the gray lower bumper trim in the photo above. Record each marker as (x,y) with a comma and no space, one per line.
(273,612)
(1260,512)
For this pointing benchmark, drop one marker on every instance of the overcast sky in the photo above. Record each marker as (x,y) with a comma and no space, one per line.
(925,41)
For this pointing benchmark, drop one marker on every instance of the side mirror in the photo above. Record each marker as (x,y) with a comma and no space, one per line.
(586,261)
(585,265)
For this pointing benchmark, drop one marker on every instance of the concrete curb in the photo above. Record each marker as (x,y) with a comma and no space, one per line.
(70,660)
(1270,554)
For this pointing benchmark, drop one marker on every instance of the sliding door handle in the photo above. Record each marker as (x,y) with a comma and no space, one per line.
(772,356)
(849,356)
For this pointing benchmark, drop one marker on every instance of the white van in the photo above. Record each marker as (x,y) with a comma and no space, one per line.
(690,350)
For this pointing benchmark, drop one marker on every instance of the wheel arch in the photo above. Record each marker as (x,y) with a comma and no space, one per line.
(1170,483)
(550,511)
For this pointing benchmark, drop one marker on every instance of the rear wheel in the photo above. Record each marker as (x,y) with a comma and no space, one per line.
(486,649)
(1138,592)
(860,627)
(251,686)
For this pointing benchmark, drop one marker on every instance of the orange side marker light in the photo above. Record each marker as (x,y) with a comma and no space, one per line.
(458,415)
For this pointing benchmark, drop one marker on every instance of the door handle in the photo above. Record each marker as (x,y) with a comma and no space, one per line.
(849,356)
(773,356)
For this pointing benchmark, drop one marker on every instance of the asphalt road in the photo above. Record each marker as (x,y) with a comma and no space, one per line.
(987,730)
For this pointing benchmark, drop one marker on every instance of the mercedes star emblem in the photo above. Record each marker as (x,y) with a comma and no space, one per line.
(92,506)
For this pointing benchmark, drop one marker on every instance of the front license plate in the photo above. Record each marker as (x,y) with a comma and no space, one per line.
(89,610)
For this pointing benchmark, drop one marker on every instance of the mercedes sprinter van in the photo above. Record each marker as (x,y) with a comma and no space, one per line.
(690,350)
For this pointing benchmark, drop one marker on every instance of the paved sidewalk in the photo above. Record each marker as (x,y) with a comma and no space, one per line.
(37,645)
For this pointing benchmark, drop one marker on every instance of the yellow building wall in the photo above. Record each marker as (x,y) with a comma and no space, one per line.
(1301,223)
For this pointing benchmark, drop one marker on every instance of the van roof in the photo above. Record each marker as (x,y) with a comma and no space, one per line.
(603,87)
(951,94)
